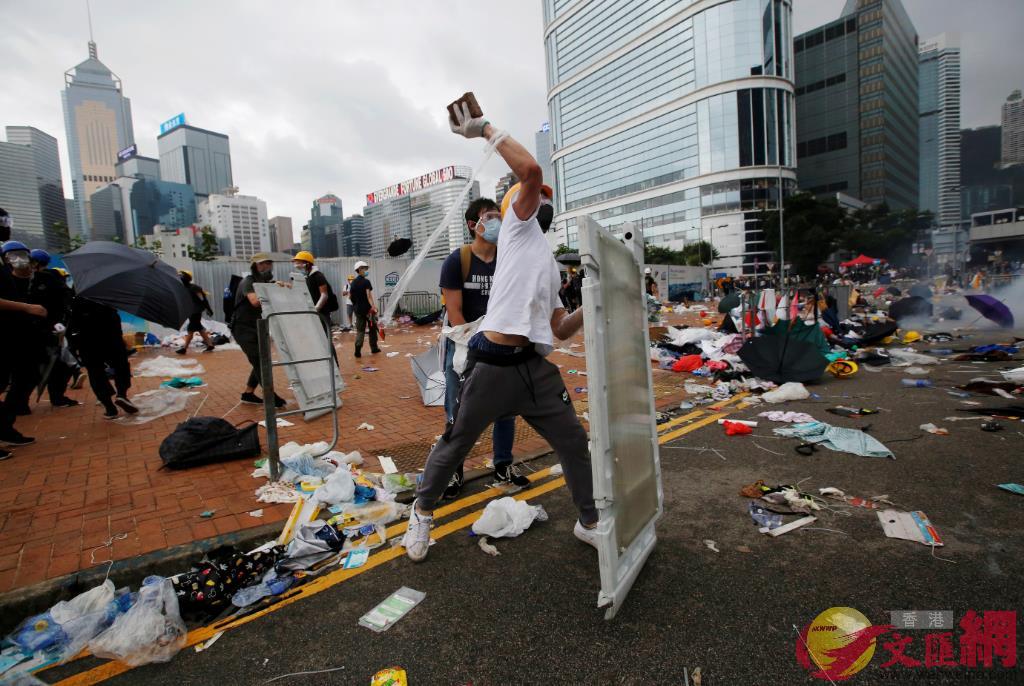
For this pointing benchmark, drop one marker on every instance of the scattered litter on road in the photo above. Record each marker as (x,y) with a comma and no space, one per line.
(932,429)
(364,425)
(786,528)
(395,354)
(763,518)
(371,369)
(207,514)
(916,371)
(355,558)
(556,470)
(507,518)
(392,609)
(736,428)
(909,526)
(205,645)
(744,422)
(837,438)
(256,513)
(392,676)
(162,366)
(711,545)
(387,464)
(991,427)
(1012,488)
(279,422)
(787,391)
(487,547)
(787,417)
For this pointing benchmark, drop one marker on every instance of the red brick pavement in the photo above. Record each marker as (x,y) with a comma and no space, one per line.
(87,479)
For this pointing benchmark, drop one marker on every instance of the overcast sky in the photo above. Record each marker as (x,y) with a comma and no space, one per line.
(348,97)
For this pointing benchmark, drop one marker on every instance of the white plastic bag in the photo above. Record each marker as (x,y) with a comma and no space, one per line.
(905,358)
(787,391)
(339,487)
(151,631)
(166,366)
(507,517)
(1014,375)
(459,337)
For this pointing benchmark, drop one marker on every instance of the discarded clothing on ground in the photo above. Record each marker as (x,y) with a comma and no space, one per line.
(786,392)
(836,438)
(168,367)
(787,417)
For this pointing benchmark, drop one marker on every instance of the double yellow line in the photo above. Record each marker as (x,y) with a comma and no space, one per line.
(668,431)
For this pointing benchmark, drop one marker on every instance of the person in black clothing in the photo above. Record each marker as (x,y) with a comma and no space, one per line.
(243,324)
(96,340)
(363,306)
(195,320)
(20,322)
(49,289)
(320,292)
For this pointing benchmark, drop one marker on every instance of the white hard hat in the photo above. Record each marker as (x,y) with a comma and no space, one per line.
(647,270)
(359,265)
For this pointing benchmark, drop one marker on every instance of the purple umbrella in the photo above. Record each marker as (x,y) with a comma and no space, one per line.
(992,309)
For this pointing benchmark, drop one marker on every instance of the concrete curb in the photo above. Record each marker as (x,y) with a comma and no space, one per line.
(20,603)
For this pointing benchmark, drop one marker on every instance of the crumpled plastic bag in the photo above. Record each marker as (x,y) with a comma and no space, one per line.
(339,487)
(906,358)
(459,336)
(313,542)
(688,363)
(151,631)
(787,391)
(168,366)
(157,403)
(1014,375)
(693,335)
(507,518)
(304,464)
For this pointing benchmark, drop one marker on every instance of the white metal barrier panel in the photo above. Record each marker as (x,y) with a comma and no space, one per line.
(623,429)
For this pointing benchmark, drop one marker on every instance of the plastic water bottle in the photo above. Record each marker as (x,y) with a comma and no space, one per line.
(916,383)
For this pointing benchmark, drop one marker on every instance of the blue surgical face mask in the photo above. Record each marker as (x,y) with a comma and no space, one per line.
(491,229)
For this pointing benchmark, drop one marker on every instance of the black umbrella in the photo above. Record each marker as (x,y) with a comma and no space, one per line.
(910,307)
(132,280)
(783,358)
(568,258)
(399,246)
(877,332)
(729,302)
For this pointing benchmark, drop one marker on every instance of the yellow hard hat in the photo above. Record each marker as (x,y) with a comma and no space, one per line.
(512,192)
(843,368)
(63,272)
(185,272)
(911,337)
(304,256)
(351,277)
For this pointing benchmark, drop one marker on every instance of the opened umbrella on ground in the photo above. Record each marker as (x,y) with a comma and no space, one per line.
(130,279)
(782,358)
(426,367)
(908,308)
(992,309)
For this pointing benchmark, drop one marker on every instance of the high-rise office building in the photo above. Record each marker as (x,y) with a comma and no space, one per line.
(239,222)
(281,238)
(195,156)
(939,127)
(1013,130)
(986,184)
(542,144)
(326,226)
(413,209)
(355,242)
(129,208)
(857,105)
(137,167)
(504,183)
(98,124)
(677,116)
(31,189)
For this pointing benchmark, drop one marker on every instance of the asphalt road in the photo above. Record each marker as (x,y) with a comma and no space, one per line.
(529,615)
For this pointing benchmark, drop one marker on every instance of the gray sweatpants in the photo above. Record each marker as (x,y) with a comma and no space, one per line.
(533,390)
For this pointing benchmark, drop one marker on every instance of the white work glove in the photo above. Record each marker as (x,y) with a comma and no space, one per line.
(467,126)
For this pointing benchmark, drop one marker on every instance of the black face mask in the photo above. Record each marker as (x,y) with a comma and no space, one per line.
(545,213)
(266,277)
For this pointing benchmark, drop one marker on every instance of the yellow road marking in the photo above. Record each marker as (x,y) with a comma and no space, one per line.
(679,420)
(108,670)
(672,435)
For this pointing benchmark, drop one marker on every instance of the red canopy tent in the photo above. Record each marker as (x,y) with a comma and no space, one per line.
(860,261)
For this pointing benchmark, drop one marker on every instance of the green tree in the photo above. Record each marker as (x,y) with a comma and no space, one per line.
(699,253)
(63,236)
(656,254)
(76,242)
(562,249)
(207,249)
(880,232)
(813,229)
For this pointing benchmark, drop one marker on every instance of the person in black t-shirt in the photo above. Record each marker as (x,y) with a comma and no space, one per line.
(49,289)
(363,306)
(95,337)
(195,319)
(243,324)
(320,292)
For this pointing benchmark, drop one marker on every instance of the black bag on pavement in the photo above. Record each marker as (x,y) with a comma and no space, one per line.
(205,440)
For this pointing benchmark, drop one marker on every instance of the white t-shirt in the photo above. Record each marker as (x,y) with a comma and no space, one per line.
(524,292)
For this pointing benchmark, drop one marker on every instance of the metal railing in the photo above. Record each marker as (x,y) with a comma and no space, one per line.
(415,303)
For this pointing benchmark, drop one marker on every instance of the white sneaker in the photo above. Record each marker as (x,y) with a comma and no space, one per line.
(588,536)
(417,537)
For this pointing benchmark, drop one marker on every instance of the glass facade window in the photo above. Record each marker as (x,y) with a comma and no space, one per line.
(620,133)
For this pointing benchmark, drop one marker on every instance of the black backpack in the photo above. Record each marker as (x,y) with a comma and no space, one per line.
(205,440)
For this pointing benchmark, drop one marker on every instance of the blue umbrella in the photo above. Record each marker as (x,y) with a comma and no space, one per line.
(132,280)
(992,309)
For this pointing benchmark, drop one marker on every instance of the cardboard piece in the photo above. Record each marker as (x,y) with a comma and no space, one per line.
(909,526)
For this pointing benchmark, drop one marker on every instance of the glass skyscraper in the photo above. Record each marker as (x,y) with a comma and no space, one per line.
(857,105)
(673,114)
(939,128)
(326,227)
(195,156)
(31,189)
(98,123)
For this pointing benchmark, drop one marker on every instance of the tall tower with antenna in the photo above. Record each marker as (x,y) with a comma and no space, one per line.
(98,124)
